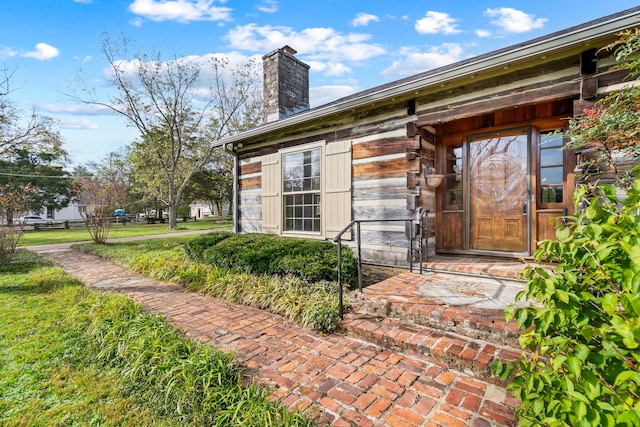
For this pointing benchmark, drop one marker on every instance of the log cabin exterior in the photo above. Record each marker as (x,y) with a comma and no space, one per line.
(474,144)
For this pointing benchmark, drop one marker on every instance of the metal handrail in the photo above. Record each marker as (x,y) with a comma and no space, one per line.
(424,227)
(423,221)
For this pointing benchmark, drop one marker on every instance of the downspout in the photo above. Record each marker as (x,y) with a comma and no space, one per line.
(229,148)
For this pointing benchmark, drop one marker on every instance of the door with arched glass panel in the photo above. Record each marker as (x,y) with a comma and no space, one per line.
(498,194)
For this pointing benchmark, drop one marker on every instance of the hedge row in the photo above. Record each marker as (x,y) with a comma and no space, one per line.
(310,260)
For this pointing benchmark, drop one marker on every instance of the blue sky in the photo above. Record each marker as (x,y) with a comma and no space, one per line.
(351,45)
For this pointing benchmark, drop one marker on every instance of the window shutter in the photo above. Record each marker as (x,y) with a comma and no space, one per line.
(337,191)
(271,194)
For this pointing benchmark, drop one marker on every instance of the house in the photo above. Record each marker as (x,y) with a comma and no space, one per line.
(472,144)
(73,212)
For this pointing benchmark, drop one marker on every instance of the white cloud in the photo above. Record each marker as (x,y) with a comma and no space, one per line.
(416,62)
(83,1)
(364,19)
(331,69)
(317,44)
(321,95)
(436,22)
(78,124)
(76,109)
(7,52)
(483,33)
(180,10)
(201,89)
(85,59)
(268,6)
(513,20)
(43,52)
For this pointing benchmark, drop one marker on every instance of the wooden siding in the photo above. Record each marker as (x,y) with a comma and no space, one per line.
(250,168)
(380,147)
(547,222)
(384,169)
(250,183)
(388,159)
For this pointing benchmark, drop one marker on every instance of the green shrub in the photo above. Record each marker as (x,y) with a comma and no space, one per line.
(195,247)
(308,304)
(305,303)
(311,260)
(583,327)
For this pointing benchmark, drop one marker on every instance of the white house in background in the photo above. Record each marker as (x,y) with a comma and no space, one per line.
(200,210)
(73,212)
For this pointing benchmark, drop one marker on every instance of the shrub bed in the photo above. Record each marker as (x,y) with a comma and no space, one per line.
(311,304)
(310,260)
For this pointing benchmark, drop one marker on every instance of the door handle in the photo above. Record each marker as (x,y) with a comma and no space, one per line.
(525,209)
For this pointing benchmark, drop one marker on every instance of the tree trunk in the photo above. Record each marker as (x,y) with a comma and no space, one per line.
(173,209)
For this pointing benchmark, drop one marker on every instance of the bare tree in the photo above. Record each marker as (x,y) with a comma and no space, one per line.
(176,118)
(20,130)
(101,196)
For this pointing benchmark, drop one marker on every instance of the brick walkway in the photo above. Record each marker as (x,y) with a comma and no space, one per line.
(339,379)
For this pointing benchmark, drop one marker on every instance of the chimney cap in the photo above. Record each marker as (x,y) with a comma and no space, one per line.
(288,49)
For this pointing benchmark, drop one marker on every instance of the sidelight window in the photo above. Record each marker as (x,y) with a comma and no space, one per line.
(551,168)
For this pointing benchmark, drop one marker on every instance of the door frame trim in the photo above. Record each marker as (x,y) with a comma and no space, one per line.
(528,130)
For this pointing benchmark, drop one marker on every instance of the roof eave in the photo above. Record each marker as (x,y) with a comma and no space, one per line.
(561,41)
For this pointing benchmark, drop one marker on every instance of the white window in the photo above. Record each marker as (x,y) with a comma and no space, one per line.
(301,190)
(307,189)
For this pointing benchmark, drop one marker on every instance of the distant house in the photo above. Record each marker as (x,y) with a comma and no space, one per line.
(73,212)
(473,143)
(203,209)
(199,210)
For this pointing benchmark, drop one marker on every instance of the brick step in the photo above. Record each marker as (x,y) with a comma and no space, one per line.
(455,351)
(472,322)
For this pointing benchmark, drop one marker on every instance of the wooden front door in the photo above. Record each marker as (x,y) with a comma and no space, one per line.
(499,191)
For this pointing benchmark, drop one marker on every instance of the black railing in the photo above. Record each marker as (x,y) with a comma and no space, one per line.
(422,223)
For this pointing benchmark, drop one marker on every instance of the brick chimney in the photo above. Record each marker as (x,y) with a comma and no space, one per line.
(286,84)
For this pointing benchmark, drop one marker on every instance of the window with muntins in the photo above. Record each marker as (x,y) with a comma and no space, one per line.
(551,168)
(301,190)
(453,177)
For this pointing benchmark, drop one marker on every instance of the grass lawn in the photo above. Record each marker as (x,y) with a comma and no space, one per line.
(72,356)
(80,234)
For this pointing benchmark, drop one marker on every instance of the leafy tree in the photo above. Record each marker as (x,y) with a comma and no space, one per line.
(30,149)
(177,120)
(53,187)
(582,329)
(214,184)
(611,130)
(12,199)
